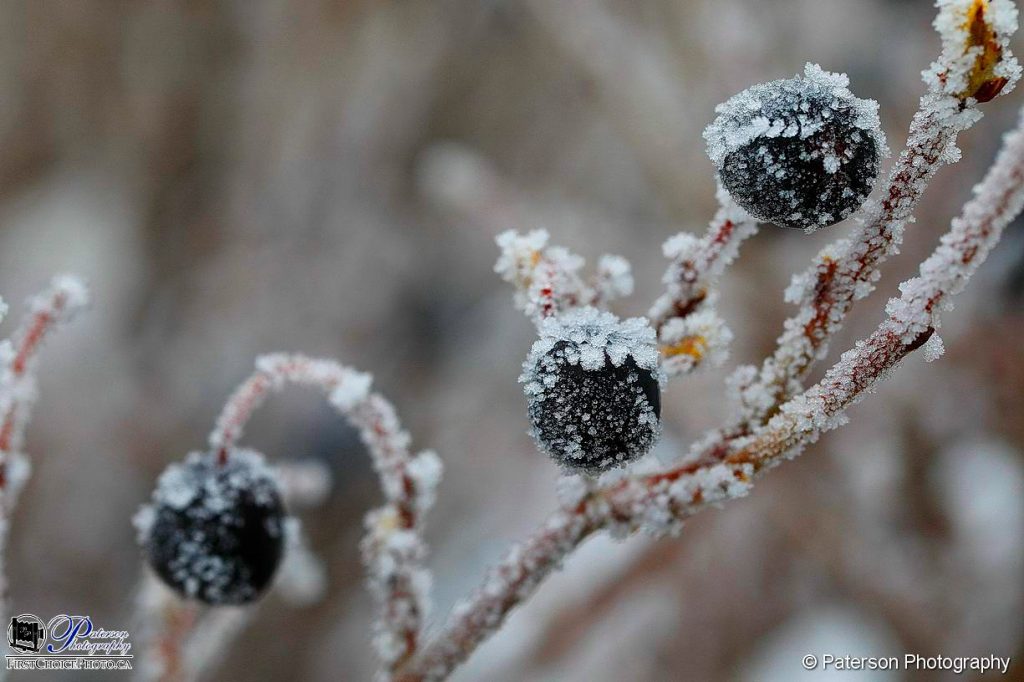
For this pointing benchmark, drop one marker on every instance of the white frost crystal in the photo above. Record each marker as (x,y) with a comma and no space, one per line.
(740,118)
(548,280)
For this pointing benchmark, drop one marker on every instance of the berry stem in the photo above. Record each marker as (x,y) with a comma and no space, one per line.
(547,279)
(688,327)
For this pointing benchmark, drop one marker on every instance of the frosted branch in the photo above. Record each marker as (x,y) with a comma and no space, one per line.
(164,624)
(690,331)
(65,297)
(506,585)
(548,279)
(976,65)
(659,503)
(393,549)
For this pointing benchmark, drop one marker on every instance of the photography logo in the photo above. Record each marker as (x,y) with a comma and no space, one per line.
(26,633)
(65,642)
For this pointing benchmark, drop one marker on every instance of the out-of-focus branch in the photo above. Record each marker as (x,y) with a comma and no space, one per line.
(164,624)
(58,304)
(393,549)
(661,502)
(518,574)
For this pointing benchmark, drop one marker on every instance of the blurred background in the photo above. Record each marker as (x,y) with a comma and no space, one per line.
(328,177)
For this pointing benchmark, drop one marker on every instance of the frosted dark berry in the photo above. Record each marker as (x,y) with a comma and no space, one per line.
(215,533)
(801,152)
(593,389)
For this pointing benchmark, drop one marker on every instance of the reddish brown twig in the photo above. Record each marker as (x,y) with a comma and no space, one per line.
(65,297)
(548,280)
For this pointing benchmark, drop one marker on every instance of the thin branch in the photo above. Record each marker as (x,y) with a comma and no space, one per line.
(164,623)
(58,304)
(690,332)
(548,280)
(65,297)
(509,583)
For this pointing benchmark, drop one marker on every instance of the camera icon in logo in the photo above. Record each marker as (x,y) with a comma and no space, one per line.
(26,633)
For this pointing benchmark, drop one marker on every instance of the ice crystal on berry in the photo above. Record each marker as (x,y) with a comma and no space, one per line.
(800,152)
(215,531)
(593,386)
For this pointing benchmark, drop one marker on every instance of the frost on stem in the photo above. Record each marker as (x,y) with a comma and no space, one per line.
(997,200)
(509,583)
(690,331)
(660,502)
(911,319)
(778,417)
(976,62)
(548,279)
(975,35)
(58,304)
(65,297)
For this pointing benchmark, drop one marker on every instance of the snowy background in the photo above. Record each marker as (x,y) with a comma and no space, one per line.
(328,177)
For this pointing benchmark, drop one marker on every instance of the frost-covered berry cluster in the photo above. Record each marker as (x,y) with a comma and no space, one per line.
(215,530)
(593,385)
(800,152)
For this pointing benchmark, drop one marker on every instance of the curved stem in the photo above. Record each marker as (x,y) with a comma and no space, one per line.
(393,549)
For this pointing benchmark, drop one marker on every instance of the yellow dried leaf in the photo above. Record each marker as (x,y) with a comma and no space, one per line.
(695,346)
(983,84)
